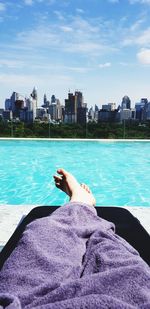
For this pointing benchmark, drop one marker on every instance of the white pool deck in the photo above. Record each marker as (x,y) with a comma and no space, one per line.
(74,139)
(10,216)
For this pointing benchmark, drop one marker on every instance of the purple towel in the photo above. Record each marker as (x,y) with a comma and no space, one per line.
(74,259)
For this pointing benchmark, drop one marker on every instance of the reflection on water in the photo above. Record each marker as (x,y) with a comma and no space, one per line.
(117,172)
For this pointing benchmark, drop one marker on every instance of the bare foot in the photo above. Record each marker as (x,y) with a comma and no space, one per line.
(78,193)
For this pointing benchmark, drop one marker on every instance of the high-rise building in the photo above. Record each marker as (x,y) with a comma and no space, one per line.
(7,115)
(34,94)
(8,104)
(46,103)
(139,110)
(112,106)
(28,102)
(82,115)
(144,101)
(79,98)
(106,107)
(14,97)
(91,114)
(145,110)
(41,113)
(34,99)
(96,108)
(75,108)
(55,109)
(53,99)
(126,102)
(125,114)
(45,99)
(96,113)
(71,108)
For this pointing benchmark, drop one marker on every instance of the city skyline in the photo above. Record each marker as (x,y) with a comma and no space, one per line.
(49,97)
(101,48)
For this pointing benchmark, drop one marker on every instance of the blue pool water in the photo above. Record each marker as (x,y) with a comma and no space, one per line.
(117,172)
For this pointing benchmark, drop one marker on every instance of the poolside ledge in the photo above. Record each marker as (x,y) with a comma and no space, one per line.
(74,139)
(11,215)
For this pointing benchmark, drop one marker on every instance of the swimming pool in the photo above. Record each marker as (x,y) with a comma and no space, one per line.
(117,172)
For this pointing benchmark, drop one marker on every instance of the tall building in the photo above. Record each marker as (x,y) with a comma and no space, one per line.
(7,115)
(53,99)
(46,103)
(112,106)
(34,99)
(45,99)
(75,108)
(96,113)
(71,108)
(125,114)
(126,102)
(55,109)
(14,97)
(91,114)
(140,110)
(41,113)
(28,102)
(19,105)
(8,104)
(82,114)
(79,98)
(146,109)
(34,94)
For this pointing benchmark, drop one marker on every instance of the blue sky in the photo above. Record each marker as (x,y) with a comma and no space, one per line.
(101,47)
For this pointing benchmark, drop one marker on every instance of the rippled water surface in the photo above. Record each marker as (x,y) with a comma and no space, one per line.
(117,172)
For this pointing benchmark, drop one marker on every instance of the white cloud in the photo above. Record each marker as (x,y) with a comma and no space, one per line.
(28,2)
(78,35)
(144,56)
(59,15)
(104,65)
(141,38)
(80,11)
(31,2)
(144,38)
(66,29)
(125,64)
(78,69)
(139,1)
(113,1)
(86,47)
(22,81)
(2,7)
(42,37)
(12,64)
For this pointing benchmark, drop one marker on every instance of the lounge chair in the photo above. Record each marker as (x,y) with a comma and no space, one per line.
(127,226)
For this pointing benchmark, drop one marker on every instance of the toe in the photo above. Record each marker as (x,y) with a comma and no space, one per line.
(84,186)
(62,172)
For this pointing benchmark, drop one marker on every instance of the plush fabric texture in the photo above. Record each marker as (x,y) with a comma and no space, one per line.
(74,259)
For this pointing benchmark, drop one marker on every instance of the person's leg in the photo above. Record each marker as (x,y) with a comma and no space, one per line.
(54,262)
(120,269)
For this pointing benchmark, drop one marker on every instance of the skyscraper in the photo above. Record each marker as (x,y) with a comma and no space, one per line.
(79,98)
(8,104)
(71,108)
(34,99)
(75,108)
(126,102)
(34,94)
(14,97)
